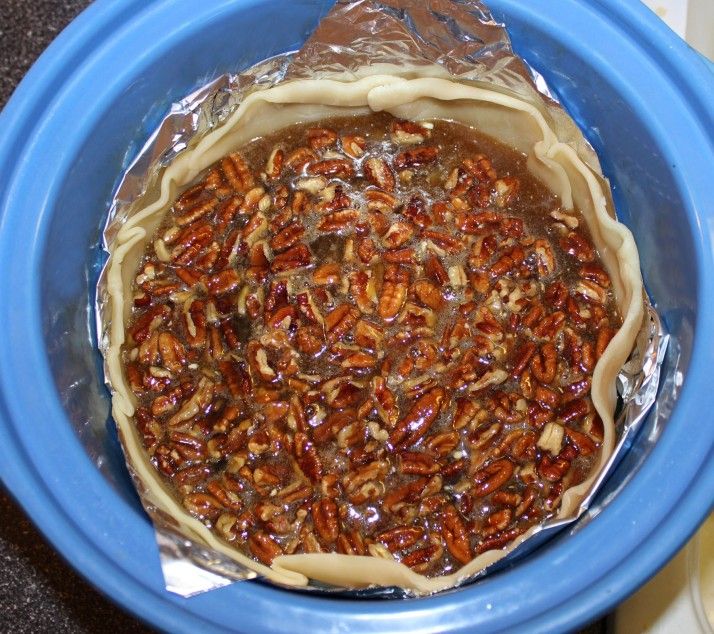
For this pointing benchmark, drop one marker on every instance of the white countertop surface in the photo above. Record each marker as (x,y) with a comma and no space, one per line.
(692,20)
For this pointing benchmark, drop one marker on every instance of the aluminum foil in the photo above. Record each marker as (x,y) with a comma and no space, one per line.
(462,37)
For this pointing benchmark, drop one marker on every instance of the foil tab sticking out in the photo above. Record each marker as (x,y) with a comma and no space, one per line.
(463,39)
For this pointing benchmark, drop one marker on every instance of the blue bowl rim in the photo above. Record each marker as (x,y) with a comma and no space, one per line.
(20,474)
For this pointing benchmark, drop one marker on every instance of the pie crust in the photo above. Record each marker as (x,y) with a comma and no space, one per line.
(568,168)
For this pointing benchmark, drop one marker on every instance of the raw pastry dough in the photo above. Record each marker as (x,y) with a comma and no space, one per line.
(569,170)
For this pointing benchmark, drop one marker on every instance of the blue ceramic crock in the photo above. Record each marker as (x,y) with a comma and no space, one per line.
(646,102)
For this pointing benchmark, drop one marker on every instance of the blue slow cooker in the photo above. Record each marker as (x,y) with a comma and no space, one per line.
(646,102)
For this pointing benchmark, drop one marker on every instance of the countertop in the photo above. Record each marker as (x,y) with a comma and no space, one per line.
(39,592)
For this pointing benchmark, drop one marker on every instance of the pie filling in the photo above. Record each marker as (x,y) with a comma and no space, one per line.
(373,337)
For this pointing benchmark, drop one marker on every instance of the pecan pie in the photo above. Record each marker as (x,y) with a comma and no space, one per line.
(374,349)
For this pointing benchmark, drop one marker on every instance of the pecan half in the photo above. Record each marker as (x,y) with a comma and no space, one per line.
(418,420)
(394,292)
(379,173)
(333,168)
(416,157)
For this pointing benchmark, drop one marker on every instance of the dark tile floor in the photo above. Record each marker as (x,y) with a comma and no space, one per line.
(40,593)
(26,29)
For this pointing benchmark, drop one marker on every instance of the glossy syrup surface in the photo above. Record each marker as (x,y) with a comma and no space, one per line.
(371,337)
